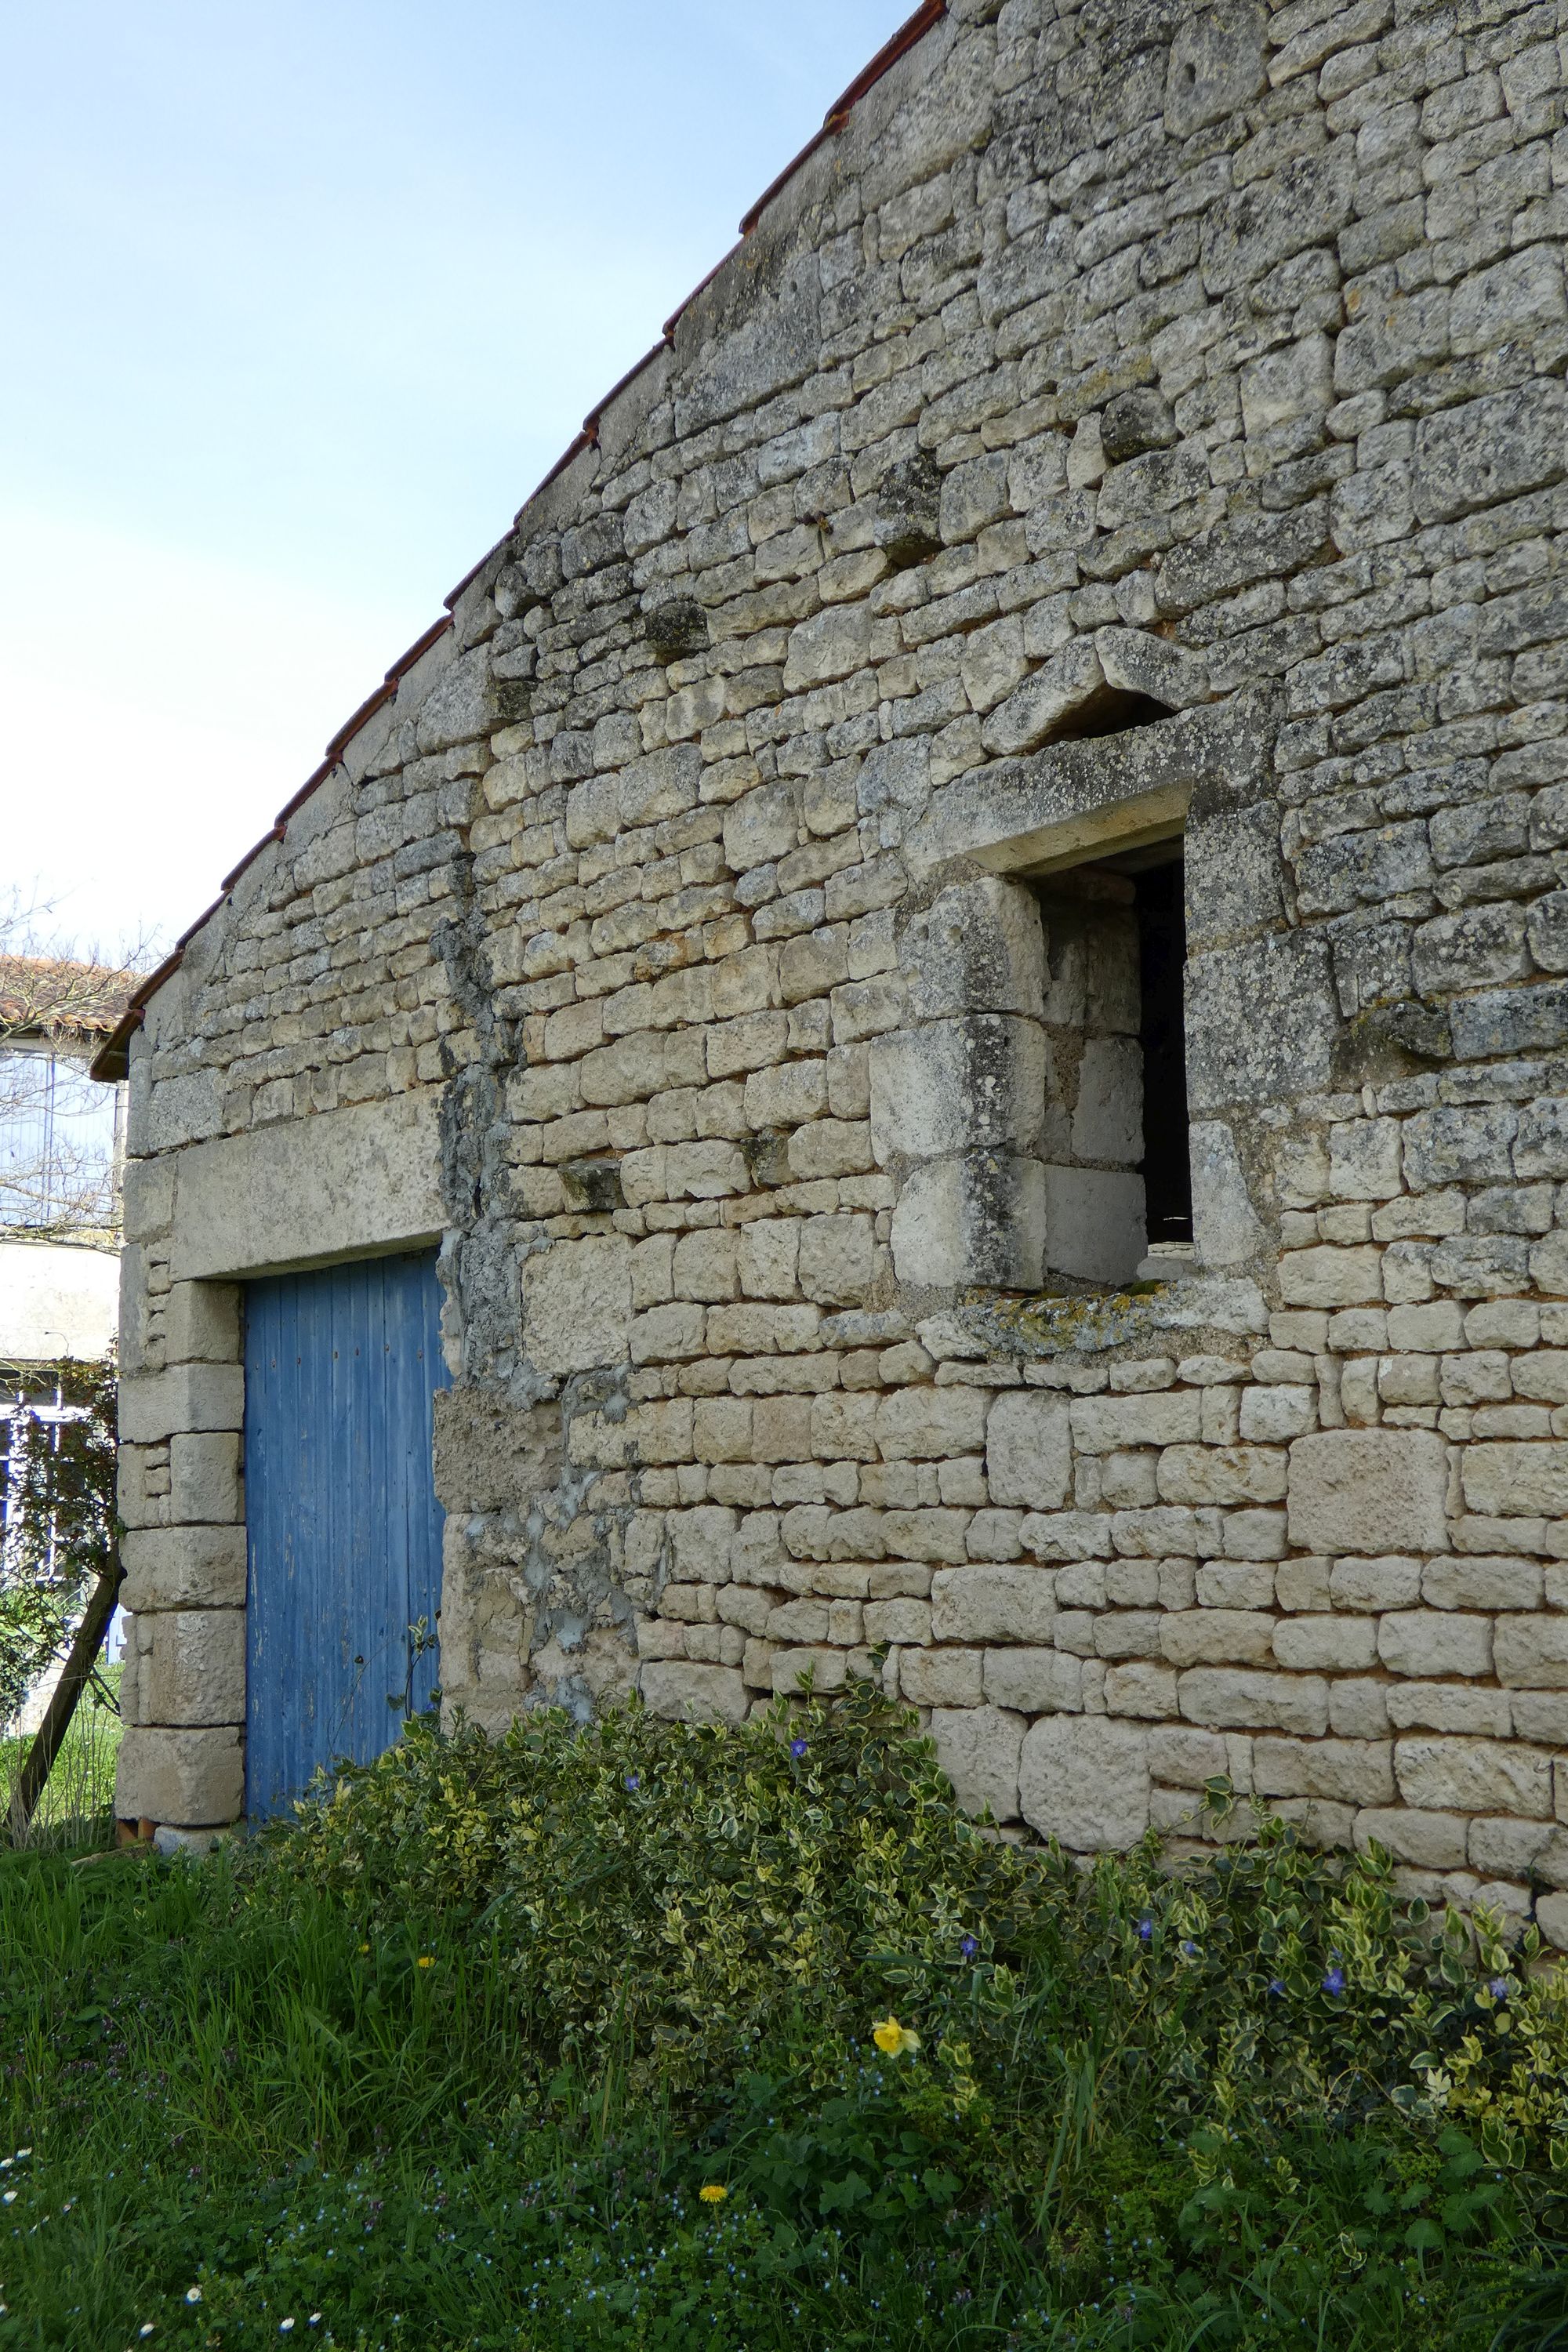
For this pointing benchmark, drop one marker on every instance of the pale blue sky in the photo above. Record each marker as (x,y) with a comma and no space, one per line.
(301,297)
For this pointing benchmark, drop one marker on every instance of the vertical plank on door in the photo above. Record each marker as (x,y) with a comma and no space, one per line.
(344,1537)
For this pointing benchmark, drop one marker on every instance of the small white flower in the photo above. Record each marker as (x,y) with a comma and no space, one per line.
(146,2329)
(284,2325)
(9,2198)
(192,2294)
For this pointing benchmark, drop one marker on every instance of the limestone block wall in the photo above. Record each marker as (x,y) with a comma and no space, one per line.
(1133,424)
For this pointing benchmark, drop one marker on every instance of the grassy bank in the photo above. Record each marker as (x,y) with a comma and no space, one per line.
(76,1808)
(454,2065)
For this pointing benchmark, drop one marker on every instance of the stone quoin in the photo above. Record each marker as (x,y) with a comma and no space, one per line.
(961,940)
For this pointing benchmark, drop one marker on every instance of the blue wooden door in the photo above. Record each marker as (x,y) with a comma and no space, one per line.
(343,1531)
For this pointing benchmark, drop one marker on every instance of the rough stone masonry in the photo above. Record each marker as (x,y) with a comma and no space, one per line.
(1136,429)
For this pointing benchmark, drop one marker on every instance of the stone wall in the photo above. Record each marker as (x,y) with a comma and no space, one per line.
(731,877)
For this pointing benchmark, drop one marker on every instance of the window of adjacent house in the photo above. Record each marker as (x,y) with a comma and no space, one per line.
(57,1142)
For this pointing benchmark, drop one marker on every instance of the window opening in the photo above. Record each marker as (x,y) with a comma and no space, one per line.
(1117,1175)
(1159,905)
(1109,710)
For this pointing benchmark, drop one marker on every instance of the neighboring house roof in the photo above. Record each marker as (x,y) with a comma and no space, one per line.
(52,996)
(111,1062)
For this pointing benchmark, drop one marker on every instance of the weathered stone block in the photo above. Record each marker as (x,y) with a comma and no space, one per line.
(940,1677)
(1029,1451)
(1503,1480)
(1010,1602)
(183,1568)
(1238,1699)
(1368,1490)
(204,1479)
(1474,1776)
(1432,1641)
(978,1748)
(190,1779)
(694,1694)
(577,1304)
(1532,1652)
(1085,1779)
(492,1455)
(979,1218)
(979,948)
(957,1085)
(198,1396)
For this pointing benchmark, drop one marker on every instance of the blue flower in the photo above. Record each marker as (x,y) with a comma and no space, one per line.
(1498,1988)
(969,1947)
(1189,1950)
(634,1780)
(1146,1930)
(1334,1982)
(1277,1987)
(797,1747)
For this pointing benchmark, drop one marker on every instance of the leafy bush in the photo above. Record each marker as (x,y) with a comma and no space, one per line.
(452,2064)
(667,1895)
(670,1898)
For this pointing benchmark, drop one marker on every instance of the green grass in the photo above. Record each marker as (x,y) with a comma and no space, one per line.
(76,1808)
(273,2090)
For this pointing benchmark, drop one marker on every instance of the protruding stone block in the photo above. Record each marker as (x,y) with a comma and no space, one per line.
(191,1780)
(577,1305)
(692,1694)
(183,1568)
(1029,1451)
(967,1085)
(980,948)
(1084,1779)
(1369,1490)
(187,1667)
(979,1218)
(977,1747)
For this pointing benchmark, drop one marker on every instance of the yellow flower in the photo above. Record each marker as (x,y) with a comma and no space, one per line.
(893,2040)
(425,1961)
(714,2193)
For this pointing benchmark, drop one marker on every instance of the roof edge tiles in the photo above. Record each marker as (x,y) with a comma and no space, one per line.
(112,1060)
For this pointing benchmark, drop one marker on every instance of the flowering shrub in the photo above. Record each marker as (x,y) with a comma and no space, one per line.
(668,1894)
(646,2035)
(673,1900)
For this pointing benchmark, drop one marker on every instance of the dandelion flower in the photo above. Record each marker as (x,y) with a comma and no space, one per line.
(714,2193)
(426,1962)
(893,2040)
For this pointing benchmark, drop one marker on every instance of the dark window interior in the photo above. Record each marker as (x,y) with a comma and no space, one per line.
(1162,952)
(1110,710)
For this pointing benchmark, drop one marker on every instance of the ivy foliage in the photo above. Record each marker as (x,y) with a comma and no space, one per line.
(674,1900)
